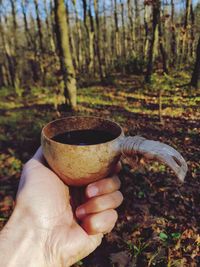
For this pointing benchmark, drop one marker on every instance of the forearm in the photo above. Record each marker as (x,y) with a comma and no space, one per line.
(19,246)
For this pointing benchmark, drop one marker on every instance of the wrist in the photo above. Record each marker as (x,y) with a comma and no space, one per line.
(20,244)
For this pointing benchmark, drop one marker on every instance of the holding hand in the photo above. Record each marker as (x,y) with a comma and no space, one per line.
(43,230)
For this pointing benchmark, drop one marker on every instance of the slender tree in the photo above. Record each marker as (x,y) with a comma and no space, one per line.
(123,31)
(156,27)
(79,39)
(72,39)
(130,27)
(87,38)
(67,67)
(14,49)
(192,36)
(29,39)
(146,28)
(49,31)
(117,43)
(139,46)
(173,36)
(105,42)
(155,11)
(184,43)
(98,40)
(39,26)
(91,41)
(161,44)
(195,80)
(41,49)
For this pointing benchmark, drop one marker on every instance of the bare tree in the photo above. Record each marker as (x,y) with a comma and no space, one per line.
(156,25)
(184,41)
(130,27)
(123,31)
(195,80)
(155,11)
(97,40)
(67,67)
(173,35)
(117,44)
(11,48)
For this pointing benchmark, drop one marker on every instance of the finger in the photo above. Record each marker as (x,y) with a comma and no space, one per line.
(100,203)
(39,155)
(118,167)
(36,161)
(103,186)
(102,222)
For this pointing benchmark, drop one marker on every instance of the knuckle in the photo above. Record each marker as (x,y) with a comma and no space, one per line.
(110,184)
(118,182)
(96,226)
(113,183)
(97,204)
(114,215)
(118,197)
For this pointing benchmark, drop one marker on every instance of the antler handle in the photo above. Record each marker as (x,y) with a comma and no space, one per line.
(154,150)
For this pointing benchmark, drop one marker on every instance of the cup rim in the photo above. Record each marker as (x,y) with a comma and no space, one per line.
(71,117)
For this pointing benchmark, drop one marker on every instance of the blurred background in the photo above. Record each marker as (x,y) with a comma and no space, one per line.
(133,61)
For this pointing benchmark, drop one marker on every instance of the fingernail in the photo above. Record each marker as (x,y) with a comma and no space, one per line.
(80,212)
(92,191)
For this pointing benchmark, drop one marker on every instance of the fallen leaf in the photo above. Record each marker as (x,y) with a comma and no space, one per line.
(120,258)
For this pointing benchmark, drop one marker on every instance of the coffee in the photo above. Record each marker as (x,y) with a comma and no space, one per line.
(84,137)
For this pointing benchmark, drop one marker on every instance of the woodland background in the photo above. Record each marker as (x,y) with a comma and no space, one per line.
(136,62)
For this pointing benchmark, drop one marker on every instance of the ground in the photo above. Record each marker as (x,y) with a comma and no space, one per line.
(159,220)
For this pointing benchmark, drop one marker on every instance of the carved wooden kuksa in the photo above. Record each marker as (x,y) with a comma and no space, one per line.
(79,165)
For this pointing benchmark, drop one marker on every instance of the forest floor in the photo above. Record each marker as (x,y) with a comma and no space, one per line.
(159,220)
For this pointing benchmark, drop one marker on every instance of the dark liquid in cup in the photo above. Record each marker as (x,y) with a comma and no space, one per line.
(84,137)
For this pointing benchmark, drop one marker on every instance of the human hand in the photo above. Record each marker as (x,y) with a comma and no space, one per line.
(48,232)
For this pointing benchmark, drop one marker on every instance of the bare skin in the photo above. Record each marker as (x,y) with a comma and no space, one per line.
(43,230)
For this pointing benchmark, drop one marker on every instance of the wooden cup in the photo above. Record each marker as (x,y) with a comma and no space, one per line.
(79,165)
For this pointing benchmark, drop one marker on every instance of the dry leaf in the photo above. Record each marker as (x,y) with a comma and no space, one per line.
(121,258)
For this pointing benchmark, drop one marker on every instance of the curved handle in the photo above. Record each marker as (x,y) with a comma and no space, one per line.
(154,150)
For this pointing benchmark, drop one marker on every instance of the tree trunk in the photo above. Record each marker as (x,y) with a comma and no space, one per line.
(146,27)
(39,26)
(105,42)
(74,50)
(173,36)
(26,28)
(67,67)
(192,35)
(4,79)
(41,45)
(161,46)
(97,41)
(112,34)
(123,32)
(130,28)
(8,56)
(11,51)
(155,11)
(49,32)
(79,38)
(195,80)
(87,39)
(52,22)
(139,49)
(31,43)
(184,42)
(117,44)
(91,41)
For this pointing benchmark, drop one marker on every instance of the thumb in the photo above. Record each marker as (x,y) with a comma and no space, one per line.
(75,244)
